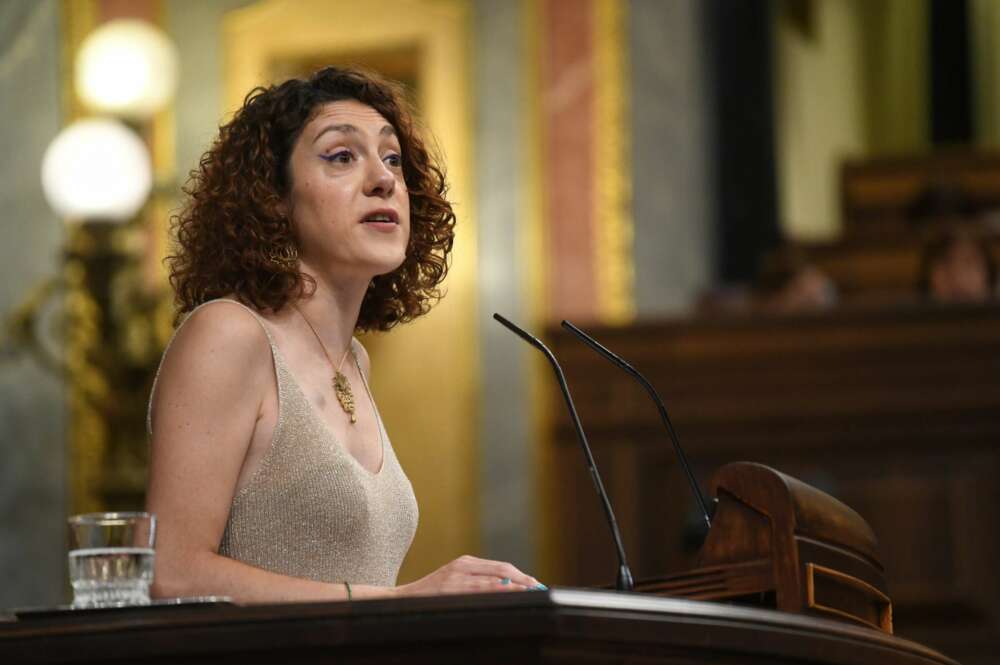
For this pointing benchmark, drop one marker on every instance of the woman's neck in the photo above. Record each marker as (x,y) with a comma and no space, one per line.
(333,310)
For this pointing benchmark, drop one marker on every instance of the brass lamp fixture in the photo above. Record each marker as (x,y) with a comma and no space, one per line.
(97,174)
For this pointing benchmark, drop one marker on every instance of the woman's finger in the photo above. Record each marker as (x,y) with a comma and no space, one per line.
(521,578)
(474,583)
(502,570)
(510,585)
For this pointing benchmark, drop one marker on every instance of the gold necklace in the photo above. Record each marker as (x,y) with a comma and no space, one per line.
(341,386)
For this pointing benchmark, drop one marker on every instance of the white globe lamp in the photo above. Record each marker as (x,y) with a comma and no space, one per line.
(128,68)
(97,169)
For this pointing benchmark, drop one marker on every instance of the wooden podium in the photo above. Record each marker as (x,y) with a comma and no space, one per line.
(555,626)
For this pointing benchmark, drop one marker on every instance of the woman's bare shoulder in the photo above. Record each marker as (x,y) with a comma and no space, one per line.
(224,328)
(220,353)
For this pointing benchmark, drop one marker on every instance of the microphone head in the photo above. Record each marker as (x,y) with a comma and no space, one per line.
(520,332)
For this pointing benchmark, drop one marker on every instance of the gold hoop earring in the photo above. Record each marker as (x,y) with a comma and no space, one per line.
(286,256)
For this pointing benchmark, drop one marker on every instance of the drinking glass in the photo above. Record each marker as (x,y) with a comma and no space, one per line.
(111,558)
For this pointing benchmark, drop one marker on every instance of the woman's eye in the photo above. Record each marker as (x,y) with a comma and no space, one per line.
(393,160)
(339,157)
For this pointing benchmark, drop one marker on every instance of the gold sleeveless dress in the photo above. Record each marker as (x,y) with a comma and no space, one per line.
(311,510)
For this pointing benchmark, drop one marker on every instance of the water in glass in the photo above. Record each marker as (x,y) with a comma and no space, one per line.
(108,576)
(111,558)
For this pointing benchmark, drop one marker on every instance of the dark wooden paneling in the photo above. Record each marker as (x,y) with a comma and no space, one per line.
(896,412)
(876,193)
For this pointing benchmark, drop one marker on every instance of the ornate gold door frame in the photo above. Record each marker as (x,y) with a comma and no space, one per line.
(433,428)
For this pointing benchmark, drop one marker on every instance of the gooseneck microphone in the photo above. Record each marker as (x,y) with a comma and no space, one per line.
(624,581)
(610,355)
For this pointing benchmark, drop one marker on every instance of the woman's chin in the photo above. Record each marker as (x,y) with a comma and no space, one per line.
(386,263)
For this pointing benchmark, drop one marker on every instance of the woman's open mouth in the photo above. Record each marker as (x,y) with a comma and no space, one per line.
(387,218)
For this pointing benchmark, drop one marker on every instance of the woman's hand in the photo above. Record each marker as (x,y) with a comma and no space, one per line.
(469,574)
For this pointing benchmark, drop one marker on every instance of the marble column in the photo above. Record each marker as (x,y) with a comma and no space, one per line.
(32,399)
(507,481)
(672,168)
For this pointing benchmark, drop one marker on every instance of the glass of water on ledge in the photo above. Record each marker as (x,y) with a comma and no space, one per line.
(111,558)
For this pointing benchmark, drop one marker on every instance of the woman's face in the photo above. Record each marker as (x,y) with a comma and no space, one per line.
(348,200)
(962,274)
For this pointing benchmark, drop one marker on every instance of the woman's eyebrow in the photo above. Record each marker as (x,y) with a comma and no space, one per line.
(346,129)
(387,130)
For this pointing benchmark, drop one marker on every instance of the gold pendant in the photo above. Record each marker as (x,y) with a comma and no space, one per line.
(342,389)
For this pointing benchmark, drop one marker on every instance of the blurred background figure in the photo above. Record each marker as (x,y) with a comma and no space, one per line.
(808,288)
(957,267)
(956,262)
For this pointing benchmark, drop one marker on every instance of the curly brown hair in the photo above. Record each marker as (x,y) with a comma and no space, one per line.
(231,235)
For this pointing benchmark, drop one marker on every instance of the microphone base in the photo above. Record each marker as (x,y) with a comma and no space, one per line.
(625,581)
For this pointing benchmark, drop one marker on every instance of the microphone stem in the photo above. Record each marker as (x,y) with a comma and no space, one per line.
(624,579)
(617,360)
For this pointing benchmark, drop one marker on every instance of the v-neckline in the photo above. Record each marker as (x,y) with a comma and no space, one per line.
(326,426)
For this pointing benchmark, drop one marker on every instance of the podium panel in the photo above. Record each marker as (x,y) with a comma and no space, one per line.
(555,626)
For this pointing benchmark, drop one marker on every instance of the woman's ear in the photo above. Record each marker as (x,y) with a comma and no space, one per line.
(284,209)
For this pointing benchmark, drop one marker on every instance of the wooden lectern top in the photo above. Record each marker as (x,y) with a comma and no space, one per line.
(555,626)
(777,542)
(809,511)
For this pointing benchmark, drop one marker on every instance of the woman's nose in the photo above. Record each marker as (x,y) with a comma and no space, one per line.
(381,181)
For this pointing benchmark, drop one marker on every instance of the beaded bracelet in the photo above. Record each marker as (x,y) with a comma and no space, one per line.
(347,585)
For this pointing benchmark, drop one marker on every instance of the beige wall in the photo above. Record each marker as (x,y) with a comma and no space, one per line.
(850,81)
(984,16)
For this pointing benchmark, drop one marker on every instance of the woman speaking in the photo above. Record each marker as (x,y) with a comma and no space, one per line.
(318,211)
